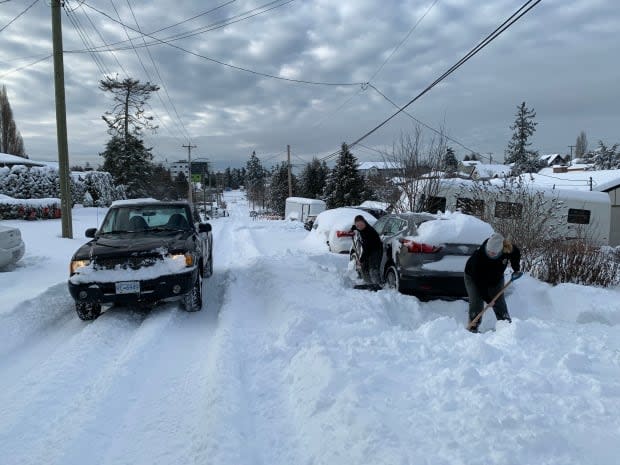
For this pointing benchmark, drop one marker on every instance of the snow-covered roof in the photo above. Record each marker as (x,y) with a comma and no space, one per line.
(496,170)
(6,159)
(471,162)
(602,180)
(305,201)
(374,204)
(380,165)
(551,156)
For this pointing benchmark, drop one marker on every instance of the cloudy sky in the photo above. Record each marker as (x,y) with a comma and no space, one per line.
(561,59)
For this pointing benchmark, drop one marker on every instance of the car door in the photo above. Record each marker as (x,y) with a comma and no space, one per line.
(393,229)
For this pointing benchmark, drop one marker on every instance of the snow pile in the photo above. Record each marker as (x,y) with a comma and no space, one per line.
(453,228)
(166,266)
(5,199)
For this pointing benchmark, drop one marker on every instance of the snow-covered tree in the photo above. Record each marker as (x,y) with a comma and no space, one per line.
(450,162)
(606,157)
(518,152)
(345,185)
(278,188)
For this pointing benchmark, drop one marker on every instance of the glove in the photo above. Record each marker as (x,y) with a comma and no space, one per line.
(516,275)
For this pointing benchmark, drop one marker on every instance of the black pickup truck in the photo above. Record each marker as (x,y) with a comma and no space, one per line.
(145,251)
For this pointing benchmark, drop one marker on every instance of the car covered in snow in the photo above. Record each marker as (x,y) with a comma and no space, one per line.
(12,246)
(145,251)
(425,254)
(334,227)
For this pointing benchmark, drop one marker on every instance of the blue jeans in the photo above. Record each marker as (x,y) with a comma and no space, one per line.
(476,302)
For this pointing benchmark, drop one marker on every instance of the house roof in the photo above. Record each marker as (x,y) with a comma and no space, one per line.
(10,160)
(380,165)
(602,180)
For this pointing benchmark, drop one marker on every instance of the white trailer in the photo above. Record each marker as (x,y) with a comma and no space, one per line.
(580,213)
(300,208)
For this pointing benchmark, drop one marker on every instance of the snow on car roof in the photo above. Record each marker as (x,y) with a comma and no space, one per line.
(453,228)
(122,203)
(305,201)
(341,218)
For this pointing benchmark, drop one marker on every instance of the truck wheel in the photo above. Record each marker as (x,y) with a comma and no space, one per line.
(208,268)
(88,311)
(192,301)
(392,279)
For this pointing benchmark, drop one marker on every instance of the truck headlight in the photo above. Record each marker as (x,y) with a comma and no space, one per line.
(77,264)
(188,257)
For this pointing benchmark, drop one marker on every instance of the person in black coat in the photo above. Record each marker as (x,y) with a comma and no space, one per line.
(484,276)
(372,251)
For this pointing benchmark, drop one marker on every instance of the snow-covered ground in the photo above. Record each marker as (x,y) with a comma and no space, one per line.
(287,365)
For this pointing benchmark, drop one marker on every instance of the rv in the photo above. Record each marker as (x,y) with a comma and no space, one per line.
(579,213)
(302,209)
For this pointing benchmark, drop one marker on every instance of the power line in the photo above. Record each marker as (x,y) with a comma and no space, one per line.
(18,16)
(524,9)
(238,68)
(404,40)
(14,70)
(424,124)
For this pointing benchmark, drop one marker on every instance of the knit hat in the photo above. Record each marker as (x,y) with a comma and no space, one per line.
(495,245)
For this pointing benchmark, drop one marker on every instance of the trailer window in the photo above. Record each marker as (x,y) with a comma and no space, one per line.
(470,206)
(434,204)
(511,210)
(577,216)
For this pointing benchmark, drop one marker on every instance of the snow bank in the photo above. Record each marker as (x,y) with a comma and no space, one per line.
(453,228)
(29,202)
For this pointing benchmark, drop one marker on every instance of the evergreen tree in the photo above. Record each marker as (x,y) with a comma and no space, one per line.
(345,185)
(518,152)
(606,158)
(581,146)
(162,187)
(11,141)
(278,189)
(450,162)
(466,158)
(313,178)
(181,186)
(255,180)
(129,162)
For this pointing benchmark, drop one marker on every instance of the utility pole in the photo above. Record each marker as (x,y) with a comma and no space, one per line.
(61,122)
(571,152)
(490,158)
(189,170)
(290,181)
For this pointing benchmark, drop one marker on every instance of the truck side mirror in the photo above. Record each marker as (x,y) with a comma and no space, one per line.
(90,232)
(204,227)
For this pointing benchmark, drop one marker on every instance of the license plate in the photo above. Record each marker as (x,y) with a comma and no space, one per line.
(128,287)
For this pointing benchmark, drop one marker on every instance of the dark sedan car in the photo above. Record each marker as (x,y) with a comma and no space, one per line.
(145,251)
(415,267)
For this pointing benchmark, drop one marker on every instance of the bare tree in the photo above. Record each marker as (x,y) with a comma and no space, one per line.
(581,146)
(11,141)
(417,165)
(130,97)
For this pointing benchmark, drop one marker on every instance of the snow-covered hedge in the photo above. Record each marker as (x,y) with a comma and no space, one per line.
(28,209)
(22,182)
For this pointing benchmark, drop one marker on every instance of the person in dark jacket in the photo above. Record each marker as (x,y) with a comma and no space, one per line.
(484,276)
(372,252)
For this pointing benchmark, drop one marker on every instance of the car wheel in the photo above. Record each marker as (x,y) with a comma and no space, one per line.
(208,269)
(192,301)
(88,311)
(392,280)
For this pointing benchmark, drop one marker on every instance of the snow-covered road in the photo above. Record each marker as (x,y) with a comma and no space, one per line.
(287,365)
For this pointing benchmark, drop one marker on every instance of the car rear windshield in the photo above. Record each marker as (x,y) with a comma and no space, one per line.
(138,218)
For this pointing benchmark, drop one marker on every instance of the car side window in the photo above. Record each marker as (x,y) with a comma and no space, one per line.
(394,226)
(380,225)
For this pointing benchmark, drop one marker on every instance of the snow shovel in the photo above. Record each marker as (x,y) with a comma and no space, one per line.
(475,321)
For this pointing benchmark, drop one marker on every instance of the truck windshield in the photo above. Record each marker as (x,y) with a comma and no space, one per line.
(140,218)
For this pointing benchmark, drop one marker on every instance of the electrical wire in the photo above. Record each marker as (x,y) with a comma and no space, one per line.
(19,15)
(14,70)
(238,68)
(523,10)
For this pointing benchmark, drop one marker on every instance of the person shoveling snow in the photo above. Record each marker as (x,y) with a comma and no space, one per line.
(484,278)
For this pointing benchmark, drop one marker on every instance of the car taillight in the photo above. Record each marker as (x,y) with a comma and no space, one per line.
(418,247)
(344,233)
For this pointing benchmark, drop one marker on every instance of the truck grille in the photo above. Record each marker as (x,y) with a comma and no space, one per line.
(133,263)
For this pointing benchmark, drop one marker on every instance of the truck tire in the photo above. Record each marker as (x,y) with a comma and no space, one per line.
(88,311)
(192,301)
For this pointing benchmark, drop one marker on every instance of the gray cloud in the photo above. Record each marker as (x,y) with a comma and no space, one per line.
(561,59)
